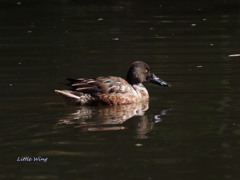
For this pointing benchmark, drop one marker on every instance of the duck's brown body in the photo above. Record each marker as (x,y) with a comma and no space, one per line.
(112,90)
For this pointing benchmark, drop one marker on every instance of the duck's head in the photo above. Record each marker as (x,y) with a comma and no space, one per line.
(140,72)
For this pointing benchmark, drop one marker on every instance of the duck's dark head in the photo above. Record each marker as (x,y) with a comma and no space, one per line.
(140,72)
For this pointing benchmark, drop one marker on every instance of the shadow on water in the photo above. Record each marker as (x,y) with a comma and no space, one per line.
(107,118)
(192,44)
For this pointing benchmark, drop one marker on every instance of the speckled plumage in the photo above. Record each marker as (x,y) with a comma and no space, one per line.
(110,89)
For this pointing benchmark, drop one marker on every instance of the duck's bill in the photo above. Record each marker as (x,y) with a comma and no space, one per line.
(156,80)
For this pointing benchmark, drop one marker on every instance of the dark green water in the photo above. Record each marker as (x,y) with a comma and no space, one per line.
(188,131)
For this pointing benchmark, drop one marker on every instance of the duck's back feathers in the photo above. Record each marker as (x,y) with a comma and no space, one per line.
(103,90)
(100,85)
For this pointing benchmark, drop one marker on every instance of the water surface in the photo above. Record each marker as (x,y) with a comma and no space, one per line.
(188,131)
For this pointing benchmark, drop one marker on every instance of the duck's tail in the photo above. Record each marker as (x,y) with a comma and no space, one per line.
(75,98)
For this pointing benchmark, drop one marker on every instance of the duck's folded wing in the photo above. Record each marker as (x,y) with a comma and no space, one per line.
(100,85)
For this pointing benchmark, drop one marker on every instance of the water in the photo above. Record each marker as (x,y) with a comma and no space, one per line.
(188,131)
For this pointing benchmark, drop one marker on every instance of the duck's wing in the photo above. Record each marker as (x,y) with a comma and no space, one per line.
(100,85)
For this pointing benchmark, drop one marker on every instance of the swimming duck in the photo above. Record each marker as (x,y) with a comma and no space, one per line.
(112,90)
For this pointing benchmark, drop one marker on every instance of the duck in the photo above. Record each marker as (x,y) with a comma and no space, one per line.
(112,90)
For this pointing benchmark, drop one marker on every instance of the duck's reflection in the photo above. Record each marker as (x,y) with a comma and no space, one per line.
(107,118)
